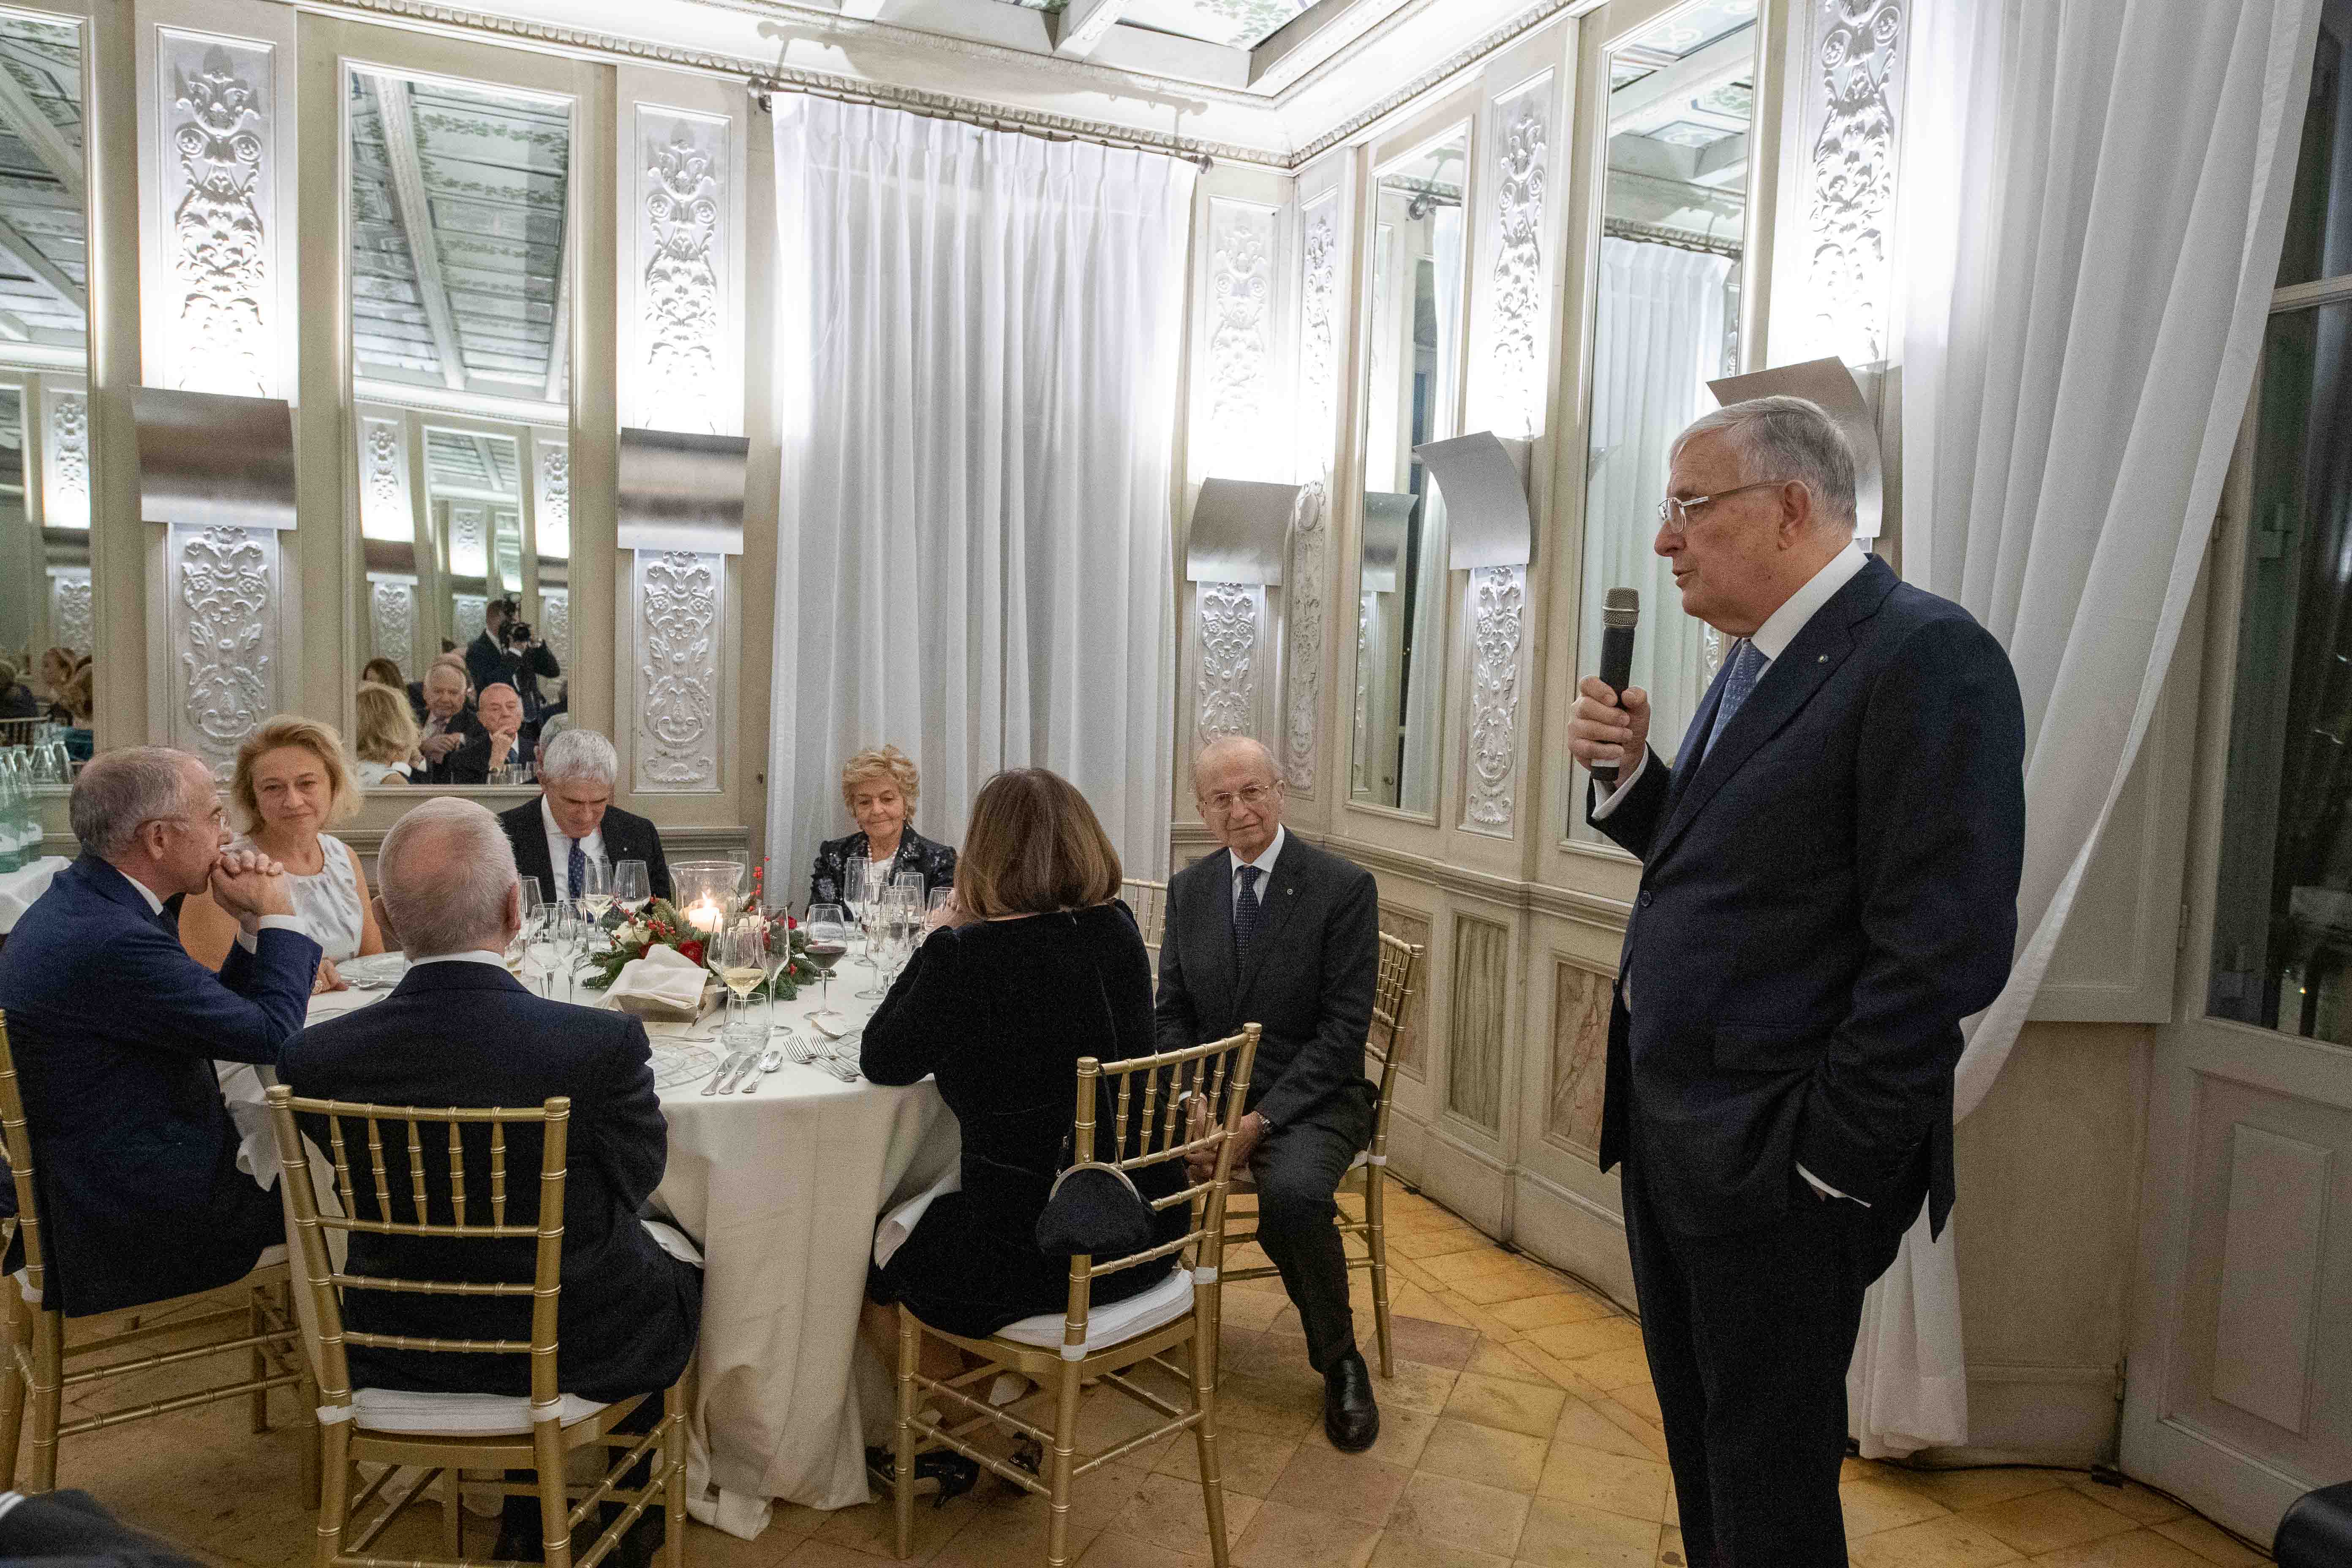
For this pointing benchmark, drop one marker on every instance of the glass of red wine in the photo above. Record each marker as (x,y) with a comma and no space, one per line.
(828,941)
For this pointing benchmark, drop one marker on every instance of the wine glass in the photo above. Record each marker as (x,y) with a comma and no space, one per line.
(894,925)
(867,882)
(828,940)
(532,903)
(741,861)
(909,880)
(941,906)
(741,951)
(595,890)
(779,954)
(631,889)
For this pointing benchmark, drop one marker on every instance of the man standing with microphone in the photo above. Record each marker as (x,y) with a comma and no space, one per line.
(1829,885)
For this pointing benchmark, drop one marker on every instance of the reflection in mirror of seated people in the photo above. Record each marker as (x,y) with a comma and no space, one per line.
(449,723)
(291,783)
(1272,930)
(385,740)
(58,667)
(500,742)
(574,821)
(17,698)
(880,787)
(115,1030)
(459,1030)
(80,705)
(509,652)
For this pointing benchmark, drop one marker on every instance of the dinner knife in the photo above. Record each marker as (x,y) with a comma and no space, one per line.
(718,1078)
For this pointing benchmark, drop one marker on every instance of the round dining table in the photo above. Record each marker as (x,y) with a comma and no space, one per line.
(779,1184)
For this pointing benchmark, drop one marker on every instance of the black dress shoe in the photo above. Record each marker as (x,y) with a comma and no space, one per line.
(1351,1417)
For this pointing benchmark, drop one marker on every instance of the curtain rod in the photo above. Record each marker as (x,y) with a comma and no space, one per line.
(762,88)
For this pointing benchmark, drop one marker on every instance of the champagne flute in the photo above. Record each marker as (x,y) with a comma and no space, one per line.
(631,889)
(828,940)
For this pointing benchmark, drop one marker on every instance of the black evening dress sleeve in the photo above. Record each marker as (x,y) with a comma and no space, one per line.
(999,1014)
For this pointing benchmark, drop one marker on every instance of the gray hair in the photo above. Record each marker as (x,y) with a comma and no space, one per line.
(1786,438)
(446,870)
(119,792)
(579,755)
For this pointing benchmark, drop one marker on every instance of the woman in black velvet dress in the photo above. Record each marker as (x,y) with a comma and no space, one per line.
(1043,965)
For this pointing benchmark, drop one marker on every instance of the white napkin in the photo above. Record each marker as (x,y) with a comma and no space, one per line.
(19,888)
(665,983)
(900,1223)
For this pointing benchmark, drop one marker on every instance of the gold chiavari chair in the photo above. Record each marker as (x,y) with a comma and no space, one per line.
(1391,997)
(445,1434)
(1150,902)
(48,1352)
(20,732)
(1061,1354)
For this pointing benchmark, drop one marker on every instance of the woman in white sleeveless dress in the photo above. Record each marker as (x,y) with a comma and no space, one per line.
(293,782)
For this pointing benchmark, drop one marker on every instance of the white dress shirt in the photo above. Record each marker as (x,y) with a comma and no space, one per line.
(1264,863)
(1771,639)
(559,853)
(268,923)
(480,956)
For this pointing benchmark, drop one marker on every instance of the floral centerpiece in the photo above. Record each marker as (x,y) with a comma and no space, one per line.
(662,924)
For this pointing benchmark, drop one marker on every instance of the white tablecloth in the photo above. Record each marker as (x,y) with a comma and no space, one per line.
(780,1188)
(19,888)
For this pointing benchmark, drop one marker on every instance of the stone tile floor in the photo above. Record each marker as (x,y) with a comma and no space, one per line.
(1520,1427)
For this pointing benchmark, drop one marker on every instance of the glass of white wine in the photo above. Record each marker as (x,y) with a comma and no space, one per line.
(742,964)
(595,892)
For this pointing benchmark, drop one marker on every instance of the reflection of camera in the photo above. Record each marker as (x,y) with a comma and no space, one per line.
(518,633)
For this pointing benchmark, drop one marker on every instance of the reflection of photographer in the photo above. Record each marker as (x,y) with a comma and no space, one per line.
(508,653)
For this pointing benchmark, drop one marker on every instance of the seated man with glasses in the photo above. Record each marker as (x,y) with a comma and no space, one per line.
(1274,932)
(115,1030)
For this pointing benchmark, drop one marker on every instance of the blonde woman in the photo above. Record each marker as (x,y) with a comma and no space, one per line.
(291,783)
(385,742)
(880,787)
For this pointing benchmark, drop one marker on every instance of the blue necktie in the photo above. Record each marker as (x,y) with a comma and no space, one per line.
(1249,914)
(576,868)
(1747,668)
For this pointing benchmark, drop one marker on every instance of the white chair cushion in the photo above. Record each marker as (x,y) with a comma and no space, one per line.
(1107,1326)
(468,1415)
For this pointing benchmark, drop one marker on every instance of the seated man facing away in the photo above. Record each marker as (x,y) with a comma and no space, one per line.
(574,821)
(1275,932)
(459,1030)
(115,1030)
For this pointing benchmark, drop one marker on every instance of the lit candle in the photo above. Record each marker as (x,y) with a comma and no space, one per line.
(703,914)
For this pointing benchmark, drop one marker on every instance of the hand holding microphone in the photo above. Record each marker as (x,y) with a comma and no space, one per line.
(1611,725)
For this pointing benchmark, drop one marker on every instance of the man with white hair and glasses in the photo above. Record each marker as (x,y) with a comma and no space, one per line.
(1829,885)
(574,822)
(459,1030)
(115,1030)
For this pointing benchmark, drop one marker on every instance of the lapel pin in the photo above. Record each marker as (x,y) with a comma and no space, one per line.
(1823,659)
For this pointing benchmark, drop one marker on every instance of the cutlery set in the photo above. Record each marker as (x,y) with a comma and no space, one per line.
(743,1071)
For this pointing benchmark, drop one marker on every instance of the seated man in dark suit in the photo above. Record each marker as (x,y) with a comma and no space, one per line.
(448,725)
(1274,932)
(115,1030)
(574,821)
(500,741)
(461,1030)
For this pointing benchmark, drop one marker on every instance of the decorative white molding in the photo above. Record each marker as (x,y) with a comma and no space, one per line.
(469,551)
(65,497)
(681,211)
(1303,616)
(1241,338)
(680,597)
(555,624)
(216,131)
(1497,615)
(1231,614)
(1522,160)
(467,613)
(384,510)
(1852,104)
(554,507)
(223,625)
(71,618)
(391,618)
(1318,334)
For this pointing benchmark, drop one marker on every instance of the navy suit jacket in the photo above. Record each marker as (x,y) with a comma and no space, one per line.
(1309,983)
(627,837)
(115,1030)
(468,1035)
(1824,899)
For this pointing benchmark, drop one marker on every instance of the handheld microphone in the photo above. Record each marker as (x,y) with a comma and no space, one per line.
(1619,614)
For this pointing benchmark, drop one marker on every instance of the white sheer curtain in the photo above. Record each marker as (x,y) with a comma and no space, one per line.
(978,350)
(1657,340)
(2106,188)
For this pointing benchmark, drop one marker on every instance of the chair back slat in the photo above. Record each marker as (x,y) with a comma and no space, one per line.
(1393,994)
(1149,901)
(19,1140)
(414,1209)
(1215,1075)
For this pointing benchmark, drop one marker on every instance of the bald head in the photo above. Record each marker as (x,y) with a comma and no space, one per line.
(449,879)
(1239,793)
(499,708)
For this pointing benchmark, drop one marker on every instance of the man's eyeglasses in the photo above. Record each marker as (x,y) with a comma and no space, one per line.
(216,821)
(1674,513)
(1250,795)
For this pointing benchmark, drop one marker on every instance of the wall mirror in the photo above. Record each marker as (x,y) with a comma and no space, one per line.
(46,607)
(1674,233)
(1412,380)
(462,263)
